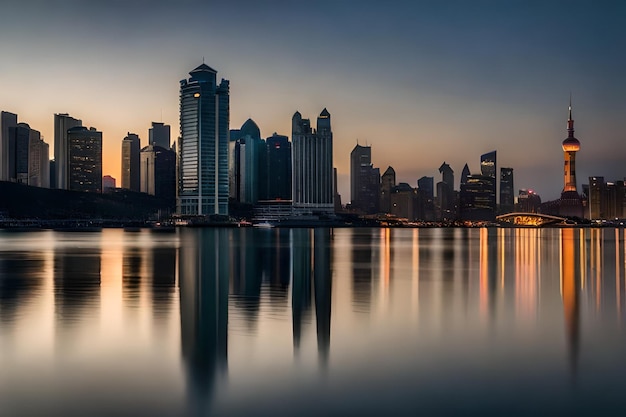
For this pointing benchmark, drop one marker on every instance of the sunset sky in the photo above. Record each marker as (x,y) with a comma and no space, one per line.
(423,82)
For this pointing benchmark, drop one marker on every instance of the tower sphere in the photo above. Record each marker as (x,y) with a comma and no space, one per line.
(571,144)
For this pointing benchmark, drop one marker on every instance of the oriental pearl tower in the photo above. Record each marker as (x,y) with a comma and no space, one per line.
(571,203)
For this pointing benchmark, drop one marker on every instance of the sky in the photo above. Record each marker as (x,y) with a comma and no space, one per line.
(422,82)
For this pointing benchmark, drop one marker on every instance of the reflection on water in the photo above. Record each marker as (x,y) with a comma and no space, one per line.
(238,321)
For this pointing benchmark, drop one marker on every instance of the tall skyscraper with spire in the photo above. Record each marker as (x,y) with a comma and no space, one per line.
(312,156)
(570,204)
(203,145)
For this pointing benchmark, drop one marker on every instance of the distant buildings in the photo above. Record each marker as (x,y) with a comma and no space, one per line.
(312,158)
(477,200)
(426,198)
(248,175)
(85,159)
(364,180)
(445,194)
(108,183)
(130,162)
(605,199)
(62,123)
(24,156)
(404,201)
(203,181)
(528,202)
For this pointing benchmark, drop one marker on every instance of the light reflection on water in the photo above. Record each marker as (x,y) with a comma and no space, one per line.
(309,321)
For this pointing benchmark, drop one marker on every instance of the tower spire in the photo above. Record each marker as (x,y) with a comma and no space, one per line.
(570,121)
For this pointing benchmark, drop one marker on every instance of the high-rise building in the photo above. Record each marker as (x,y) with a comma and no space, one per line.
(364,180)
(278,167)
(445,193)
(19,148)
(426,198)
(250,164)
(404,201)
(489,168)
(507,198)
(158,172)
(387,182)
(464,174)
(203,146)
(85,159)
(312,158)
(570,203)
(131,146)
(159,135)
(528,201)
(7,121)
(38,161)
(605,199)
(62,123)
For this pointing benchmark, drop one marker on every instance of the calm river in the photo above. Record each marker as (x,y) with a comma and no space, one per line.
(298,322)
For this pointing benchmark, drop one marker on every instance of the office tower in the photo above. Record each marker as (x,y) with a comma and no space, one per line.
(159,135)
(364,180)
(426,198)
(38,161)
(337,196)
(605,199)
(570,203)
(476,199)
(108,183)
(7,121)
(19,147)
(158,172)
(250,163)
(85,159)
(130,162)
(464,174)
(53,174)
(312,158)
(507,199)
(489,168)
(203,145)
(445,193)
(387,182)
(62,123)
(278,167)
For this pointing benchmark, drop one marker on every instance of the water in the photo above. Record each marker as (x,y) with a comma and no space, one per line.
(313,322)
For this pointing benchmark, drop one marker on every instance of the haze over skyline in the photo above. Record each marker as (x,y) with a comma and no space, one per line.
(422,82)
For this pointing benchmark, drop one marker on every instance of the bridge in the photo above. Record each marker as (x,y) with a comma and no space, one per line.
(529,219)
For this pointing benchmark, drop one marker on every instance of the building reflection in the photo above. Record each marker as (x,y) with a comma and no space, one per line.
(570,283)
(203,279)
(301,266)
(20,278)
(488,270)
(246,273)
(323,285)
(131,277)
(76,282)
(275,262)
(362,270)
(162,269)
(311,264)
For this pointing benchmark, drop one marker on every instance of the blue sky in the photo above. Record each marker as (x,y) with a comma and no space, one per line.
(421,81)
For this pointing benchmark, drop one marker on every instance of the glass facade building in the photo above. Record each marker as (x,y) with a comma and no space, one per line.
(203,146)
(85,159)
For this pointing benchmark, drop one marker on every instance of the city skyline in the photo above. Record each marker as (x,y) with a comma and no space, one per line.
(421,83)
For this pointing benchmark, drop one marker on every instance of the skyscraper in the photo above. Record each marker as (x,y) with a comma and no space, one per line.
(62,123)
(130,162)
(312,157)
(570,203)
(85,159)
(489,168)
(445,193)
(38,161)
(278,167)
(249,161)
(158,172)
(387,183)
(364,180)
(7,121)
(203,145)
(159,135)
(19,141)
(507,198)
